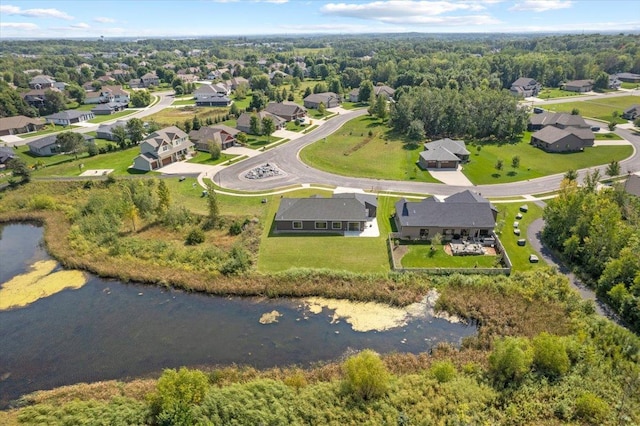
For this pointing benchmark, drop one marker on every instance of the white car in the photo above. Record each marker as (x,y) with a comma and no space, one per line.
(533,258)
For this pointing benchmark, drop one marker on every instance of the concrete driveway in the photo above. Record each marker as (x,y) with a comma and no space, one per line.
(450,176)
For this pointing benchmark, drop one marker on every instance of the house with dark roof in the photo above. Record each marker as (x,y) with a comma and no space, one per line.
(525,87)
(6,154)
(36,97)
(68,117)
(560,132)
(464,214)
(212,95)
(19,124)
(339,214)
(48,146)
(223,136)
(41,82)
(443,154)
(288,111)
(162,148)
(244,121)
(329,99)
(630,113)
(578,86)
(236,81)
(629,77)
(632,184)
(108,108)
(386,91)
(614,82)
(105,131)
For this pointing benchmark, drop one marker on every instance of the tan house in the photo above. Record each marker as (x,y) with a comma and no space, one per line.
(579,86)
(329,99)
(161,148)
(223,136)
(288,111)
(244,121)
(19,124)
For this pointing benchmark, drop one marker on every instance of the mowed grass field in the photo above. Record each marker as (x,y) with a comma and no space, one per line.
(350,151)
(534,162)
(601,109)
(554,92)
(170,116)
(519,255)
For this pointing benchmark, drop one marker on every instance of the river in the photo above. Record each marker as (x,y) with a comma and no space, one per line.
(107,329)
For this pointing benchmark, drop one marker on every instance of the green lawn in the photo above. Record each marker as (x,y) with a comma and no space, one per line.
(257,142)
(519,255)
(352,152)
(65,165)
(49,128)
(421,256)
(601,109)
(292,126)
(353,105)
(554,92)
(281,252)
(534,162)
(86,107)
(184,101)
(205,158)
(626,85)
(607,137)
(114,116)
(242,104)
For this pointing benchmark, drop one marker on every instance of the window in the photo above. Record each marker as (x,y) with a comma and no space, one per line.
(165,148)
(321,225)
(296,225)
(336,225)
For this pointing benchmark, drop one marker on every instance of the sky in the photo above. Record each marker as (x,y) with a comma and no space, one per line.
(187,18)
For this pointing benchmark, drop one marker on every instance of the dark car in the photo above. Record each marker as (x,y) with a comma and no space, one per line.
(595,128)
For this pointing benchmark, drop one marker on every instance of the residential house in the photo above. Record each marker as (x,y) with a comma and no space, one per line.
(579,86)
(60,85)
(329,99)
(6,154)
(41,82)
(36,97)
(614,82)
(187,78)
(628,77)
(108,94)
(48,146)
(236,81)
(288,111)
(560,132)
(339,214)
(385,91)
(212,95)
(277,74)
(244,121)
(443,154)
(525,87)
(630,113)
(108,108)
(161,148)
(19,124)
(150,79)
(464,214)
(105,131)
(223,136)
(632,184)
(68,117)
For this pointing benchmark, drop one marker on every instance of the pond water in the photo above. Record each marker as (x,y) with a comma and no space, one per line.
(110,330)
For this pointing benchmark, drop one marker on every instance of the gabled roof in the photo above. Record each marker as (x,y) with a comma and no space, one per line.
(212,132)
(107,128)
(632,185)
(110,106)
(6,154)
(579,83)
(553,118)
(245,118)
(524,81)
(439,154)
(457,147)
(337,208)
(284,108)
(42,79)
(632,108)
(552,134)
(69,114)
(321,97)
(51,140)
(210,89)
(168,134)
(18,122)
(464,209)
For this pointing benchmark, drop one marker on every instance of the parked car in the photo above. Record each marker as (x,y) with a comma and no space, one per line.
(533,258)
(595,128)
(522,242)
(537,110)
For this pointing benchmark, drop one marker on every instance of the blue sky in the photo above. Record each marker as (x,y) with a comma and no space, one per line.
(148,18)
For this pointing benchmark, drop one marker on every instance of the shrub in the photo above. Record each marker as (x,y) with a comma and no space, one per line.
(42,202)
(195,237)
(443,371)
(365,375)
(510,359)
(177,392)
(296,380)
(550,355)
(237,262)
(591,408)
(235,228)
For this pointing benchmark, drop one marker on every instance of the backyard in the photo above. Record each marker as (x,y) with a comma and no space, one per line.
(420,255)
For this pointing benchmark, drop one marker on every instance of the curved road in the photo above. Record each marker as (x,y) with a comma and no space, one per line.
(286,157)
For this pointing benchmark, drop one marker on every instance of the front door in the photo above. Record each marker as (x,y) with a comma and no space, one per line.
(353,226)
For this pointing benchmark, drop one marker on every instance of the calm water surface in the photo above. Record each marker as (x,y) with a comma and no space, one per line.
(110,330)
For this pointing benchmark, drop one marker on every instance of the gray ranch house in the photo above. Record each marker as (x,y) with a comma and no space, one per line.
(341,213)
(212,95)
(386,91)
(161,148)
(244,121)
(464,214)
(631,113)
(48,146)
(329,99)
(443,154)
(68,117)
(223,136)
(525,87)
(288,111)
(560,132)
(105,131)
(578,86)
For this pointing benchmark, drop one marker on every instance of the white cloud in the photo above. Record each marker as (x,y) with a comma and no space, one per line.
(80,26)
(74,27)
(275,1)
(542,5)
(26,26)
(104,20)
(38,13)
